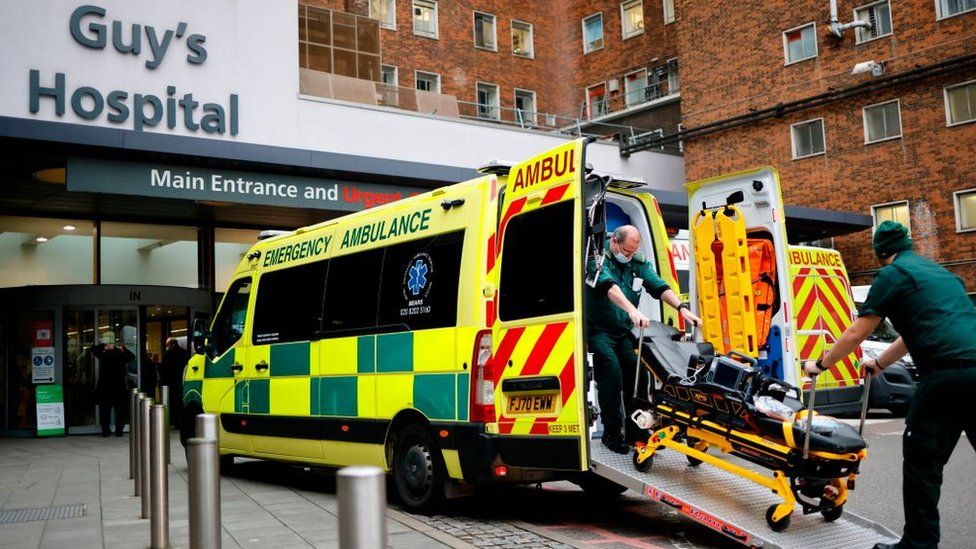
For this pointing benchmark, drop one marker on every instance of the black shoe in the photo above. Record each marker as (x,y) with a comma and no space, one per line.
(106,434)
(616,445)
(118,434)
(886,546)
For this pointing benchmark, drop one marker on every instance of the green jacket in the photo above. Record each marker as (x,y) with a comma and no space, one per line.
(603,315)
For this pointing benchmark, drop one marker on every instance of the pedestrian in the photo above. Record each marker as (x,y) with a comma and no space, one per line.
(111,389)
(611,314)
(171,375)
(929,307)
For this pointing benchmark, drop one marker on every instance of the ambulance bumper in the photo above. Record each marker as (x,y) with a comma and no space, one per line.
(489,458)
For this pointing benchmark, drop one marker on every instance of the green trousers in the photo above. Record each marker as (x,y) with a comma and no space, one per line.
(614,367)
(941,410)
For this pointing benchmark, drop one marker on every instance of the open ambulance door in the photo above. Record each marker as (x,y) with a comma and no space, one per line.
(537,339)
(739,275)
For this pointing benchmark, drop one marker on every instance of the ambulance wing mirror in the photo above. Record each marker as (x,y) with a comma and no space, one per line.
(200,335)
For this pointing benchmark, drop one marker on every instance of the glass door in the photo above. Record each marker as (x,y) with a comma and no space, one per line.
(79,370)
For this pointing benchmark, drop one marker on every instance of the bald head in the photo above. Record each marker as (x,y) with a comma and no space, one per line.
(626,241)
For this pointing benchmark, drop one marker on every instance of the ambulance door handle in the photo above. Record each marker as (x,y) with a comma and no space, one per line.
(261,366)
(236,367)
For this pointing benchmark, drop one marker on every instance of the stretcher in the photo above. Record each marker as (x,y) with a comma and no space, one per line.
(703,400)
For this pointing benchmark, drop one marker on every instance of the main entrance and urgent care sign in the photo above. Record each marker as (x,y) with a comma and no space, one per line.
(191,183)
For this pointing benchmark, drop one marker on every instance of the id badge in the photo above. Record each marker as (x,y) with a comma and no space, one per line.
(638,284)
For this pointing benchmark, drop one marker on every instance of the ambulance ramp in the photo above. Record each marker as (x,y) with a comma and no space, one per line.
(732,505)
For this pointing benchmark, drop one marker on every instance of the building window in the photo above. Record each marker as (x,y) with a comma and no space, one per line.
(808,138)
(428,81)
(596,100)
(388,75)
(960,103)
(635,87)
(522,44)
(425,18)
(882,122)
(668,11)
(672,71)
(484,31)
(163,255)
(36,250)
(632,18)
(800,43)
(525,107)
(893,211)
(948,8)
(383,11)
(593,33)
(965,210)
(338,43)
(879,15)
(488,104)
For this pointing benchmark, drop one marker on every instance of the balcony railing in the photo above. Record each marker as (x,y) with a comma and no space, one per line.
(605,105)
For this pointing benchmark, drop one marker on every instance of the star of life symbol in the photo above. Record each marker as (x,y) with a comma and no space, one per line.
(418,277)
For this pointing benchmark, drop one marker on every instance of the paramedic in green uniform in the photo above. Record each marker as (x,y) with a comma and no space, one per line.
(929,307)
(611,313)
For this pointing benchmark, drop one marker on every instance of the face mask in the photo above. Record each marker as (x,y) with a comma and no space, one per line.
(621,257)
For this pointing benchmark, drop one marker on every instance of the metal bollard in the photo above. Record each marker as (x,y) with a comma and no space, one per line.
(135,430)
(204,485)
(164,400)
(133,402)
(144,451)
(159,487)
(362,507)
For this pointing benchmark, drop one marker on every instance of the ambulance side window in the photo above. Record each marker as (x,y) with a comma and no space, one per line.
(289,304)
(352,293)
(228,326)
(537,263)
(420,283)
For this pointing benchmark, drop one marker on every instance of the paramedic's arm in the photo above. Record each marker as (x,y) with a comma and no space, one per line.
(620,300)
(889,356)
(673,300)
(846,343)
(661,290)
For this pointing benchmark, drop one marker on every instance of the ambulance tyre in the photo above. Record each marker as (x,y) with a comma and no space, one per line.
(418,470)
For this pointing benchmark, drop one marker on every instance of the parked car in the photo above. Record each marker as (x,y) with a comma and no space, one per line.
(895,387)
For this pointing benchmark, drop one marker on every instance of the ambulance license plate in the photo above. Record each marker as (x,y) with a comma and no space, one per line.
(532,404)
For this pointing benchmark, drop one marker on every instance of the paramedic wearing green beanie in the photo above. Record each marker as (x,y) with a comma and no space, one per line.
(929,307)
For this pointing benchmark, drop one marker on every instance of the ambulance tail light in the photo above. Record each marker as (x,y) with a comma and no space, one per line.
(483,380)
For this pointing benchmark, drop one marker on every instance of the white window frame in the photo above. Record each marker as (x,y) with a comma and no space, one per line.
(786,44)
(603,30)
(396,74)
(531,38)
(864,122)
(391,26)
(945,94)
(497,106)
(417,73)
(874,217)
(939,16)
(955,205)
(669,16)
(474,30)
(673,76)
(413,22)
(533,117)
(643,99)
(623,7)
(823,132)
(857,32)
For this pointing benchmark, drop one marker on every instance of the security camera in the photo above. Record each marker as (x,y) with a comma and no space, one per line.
(876,69)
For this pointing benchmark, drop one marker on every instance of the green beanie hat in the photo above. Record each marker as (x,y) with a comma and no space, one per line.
(890,238)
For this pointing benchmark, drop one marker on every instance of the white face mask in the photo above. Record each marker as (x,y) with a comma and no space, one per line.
(621,257)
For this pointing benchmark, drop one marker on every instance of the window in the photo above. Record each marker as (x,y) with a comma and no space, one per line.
(134,253)
(383,11)
(229,323)
(484,31)
(632,18)
(425,18)
(420,283)
(488,105)
(879,15)
(522,293)
(948,8)
(593,33)
(428,81)
(672,71)
(522,45)
(635,86)
(894,211)
(338,43)
(352,292)
(882,122)
(668,11)
(288,306)
(800,43)
(596,100)
(965,210)
(388,75)
(808,138)
(35,251)
(525,106)
(961,103)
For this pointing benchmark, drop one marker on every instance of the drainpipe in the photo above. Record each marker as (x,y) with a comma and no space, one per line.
(837,28)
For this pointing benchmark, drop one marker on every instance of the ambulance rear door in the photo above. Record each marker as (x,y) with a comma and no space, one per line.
(537,339)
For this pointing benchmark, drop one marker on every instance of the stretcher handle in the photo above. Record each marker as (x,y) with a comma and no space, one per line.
(866,403)
(752,362)
(637,370)
(813,398)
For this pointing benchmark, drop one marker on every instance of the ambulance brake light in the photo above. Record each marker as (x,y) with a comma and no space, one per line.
(483,380)
(501,471)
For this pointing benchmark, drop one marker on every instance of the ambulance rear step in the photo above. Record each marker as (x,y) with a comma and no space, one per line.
(731,505)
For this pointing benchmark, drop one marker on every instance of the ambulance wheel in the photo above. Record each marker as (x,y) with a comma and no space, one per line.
(417,469)
(226,464)
(644,466)
(776,526)
(832,514)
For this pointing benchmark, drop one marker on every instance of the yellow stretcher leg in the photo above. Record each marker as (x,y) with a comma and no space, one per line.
(706,280)
(737,280)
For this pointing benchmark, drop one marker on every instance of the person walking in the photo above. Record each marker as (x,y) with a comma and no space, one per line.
(111,387)
(929,307)
(171,375)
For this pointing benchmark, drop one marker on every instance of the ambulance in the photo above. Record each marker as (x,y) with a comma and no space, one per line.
(442,337)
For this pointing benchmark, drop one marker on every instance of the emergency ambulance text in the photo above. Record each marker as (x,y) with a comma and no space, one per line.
(298,250)
(816,259)
(379,230)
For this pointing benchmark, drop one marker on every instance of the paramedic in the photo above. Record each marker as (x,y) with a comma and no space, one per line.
(928,305)
(611,313)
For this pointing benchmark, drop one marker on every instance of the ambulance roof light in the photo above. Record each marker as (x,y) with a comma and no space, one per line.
(264,235)
(497,167)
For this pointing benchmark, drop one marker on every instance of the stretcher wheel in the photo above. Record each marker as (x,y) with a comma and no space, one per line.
(832,514)
(644,466)
(693,442)
(777,526)
(694,462)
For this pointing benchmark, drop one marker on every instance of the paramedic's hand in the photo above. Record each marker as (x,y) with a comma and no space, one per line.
(638,319)
(690,317)
(870,365)
(810,368)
